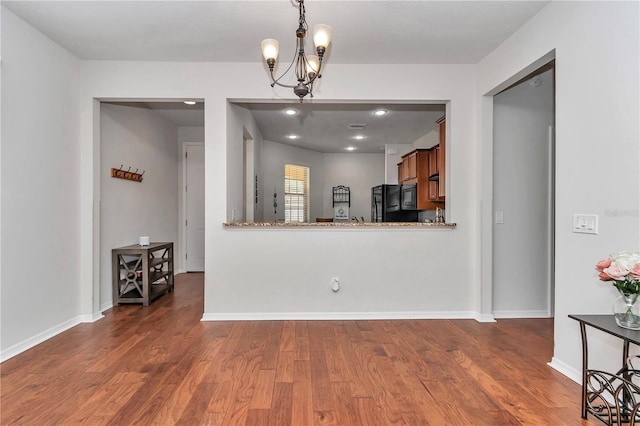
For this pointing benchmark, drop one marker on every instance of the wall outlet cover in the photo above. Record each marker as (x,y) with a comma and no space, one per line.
(585,223)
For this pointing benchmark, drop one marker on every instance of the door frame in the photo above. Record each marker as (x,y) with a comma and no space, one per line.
(182,234)
(484,304)
(549,190)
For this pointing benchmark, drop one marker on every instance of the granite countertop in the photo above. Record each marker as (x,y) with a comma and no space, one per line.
(339,225)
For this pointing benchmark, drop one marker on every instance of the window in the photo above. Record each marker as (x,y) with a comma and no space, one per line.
(296,193)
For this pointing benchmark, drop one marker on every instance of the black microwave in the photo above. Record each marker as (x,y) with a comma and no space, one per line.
(409,197)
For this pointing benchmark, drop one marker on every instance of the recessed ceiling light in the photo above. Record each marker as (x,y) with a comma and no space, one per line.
(292,136)
(290,111)
(190,102)
(380,112)
(359,137)
(350,148)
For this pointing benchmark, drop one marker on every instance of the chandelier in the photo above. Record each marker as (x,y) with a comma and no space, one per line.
(307,68)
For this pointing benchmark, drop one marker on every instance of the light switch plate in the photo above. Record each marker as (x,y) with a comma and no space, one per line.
(585,223)
(499,217)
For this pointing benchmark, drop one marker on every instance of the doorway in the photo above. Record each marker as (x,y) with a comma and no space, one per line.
(146,137)
(194,206)
(523,194)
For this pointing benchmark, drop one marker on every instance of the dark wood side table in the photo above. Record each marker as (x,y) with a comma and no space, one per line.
(141,273)
(611,397)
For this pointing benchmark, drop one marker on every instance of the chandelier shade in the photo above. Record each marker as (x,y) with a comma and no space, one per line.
(270,48)
(306,67)
(322,35)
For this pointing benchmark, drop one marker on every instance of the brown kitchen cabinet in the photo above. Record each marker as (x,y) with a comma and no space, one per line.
(407,169)
(426,167)
(412,161)
(442,127)
(416,167)
(433,172)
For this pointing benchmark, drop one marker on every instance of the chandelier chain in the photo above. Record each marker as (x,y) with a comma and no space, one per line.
(302,22)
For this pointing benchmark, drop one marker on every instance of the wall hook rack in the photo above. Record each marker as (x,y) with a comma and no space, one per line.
(127,174)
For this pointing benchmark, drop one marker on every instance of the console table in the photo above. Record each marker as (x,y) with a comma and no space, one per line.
(611,397)
(141,273)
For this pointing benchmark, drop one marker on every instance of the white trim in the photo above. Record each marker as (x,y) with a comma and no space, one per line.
(485,178)
(20,347)
(91,318)
(278,316)
(106,306)
(521,314)
(566,369)
(551,209)
(484,317)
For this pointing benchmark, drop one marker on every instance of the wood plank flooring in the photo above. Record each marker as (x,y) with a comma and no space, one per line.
(161,365)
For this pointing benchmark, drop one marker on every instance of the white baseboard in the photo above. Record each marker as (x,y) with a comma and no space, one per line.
(20,347)
(106,306)
(521,314)
(301,316)
(484,317)
(91,318)
(566,369)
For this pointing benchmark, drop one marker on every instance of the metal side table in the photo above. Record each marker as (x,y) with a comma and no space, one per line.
(612,398)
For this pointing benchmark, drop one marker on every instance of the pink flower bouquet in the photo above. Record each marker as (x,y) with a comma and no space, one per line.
(623,269)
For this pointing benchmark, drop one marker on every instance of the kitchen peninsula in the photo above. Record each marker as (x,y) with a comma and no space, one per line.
(424,225)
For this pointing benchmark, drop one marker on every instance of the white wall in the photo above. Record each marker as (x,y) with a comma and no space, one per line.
(429,140)
(360,172)
(522,116)
(248,280)
(141,139)
(41,286)
(275,156)
(597,132)
(190,134)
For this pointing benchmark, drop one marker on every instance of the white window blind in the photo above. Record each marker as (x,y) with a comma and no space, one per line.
(296,193)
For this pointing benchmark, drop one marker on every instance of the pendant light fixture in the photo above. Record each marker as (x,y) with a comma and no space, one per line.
(307,68)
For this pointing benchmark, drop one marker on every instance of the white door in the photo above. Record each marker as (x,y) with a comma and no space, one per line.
(194,202)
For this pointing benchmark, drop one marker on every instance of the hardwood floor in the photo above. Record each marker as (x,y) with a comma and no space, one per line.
(161,365)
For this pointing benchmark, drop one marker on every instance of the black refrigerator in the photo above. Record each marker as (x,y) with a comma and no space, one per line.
(385,205)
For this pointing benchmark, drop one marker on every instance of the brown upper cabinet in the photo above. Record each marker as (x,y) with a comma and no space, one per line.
(426,167)
(433,172)
(408,168)
(442,127)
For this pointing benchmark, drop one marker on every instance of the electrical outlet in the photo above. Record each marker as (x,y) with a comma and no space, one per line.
(335,284)
(233,214)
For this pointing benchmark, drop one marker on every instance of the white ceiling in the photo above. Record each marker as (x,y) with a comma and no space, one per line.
(177,113)
(325,127)
(364,32)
